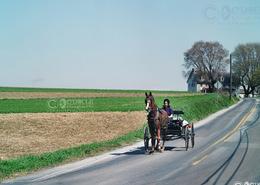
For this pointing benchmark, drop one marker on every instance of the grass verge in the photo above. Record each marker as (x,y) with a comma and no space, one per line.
(30,163)
(195,108)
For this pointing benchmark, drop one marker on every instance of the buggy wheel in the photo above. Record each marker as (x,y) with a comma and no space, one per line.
(192,136)
(146,140)
(186,137)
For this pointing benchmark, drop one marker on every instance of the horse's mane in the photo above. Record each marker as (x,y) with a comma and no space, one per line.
(154,106)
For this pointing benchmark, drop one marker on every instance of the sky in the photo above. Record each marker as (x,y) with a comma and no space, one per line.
(115,44)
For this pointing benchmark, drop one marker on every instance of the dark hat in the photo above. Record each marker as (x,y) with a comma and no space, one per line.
(166,100)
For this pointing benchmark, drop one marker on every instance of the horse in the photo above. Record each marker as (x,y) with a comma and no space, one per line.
(157,121)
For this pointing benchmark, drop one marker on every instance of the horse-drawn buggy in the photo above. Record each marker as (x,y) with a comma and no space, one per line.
(161,126)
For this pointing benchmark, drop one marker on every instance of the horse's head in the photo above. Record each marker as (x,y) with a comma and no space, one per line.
(149,102)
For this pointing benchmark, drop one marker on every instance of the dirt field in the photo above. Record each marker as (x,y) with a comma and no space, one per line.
(26,95)
(41,132)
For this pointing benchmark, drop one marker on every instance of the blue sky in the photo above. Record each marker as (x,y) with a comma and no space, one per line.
(116,44)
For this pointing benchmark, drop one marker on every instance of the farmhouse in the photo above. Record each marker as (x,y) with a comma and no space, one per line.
(196,83)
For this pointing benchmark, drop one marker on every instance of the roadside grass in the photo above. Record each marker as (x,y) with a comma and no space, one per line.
(195,108)
(61,90)
(100,104)
(24,164)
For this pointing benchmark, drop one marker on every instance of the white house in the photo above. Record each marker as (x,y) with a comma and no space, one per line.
(198,84)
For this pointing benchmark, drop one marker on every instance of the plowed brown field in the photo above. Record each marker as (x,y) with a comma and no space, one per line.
(27,133)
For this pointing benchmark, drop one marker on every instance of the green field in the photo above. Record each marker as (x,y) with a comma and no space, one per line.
(61,90)
(100,104)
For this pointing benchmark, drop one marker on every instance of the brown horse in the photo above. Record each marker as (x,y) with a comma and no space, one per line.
(157,122)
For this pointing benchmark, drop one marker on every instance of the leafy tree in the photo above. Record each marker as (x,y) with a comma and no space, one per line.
(208,59)
(246,66)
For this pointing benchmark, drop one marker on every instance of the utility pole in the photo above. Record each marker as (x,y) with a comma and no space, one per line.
(230,76)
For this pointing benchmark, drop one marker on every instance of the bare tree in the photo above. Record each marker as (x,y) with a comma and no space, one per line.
(246,65)
(208,59)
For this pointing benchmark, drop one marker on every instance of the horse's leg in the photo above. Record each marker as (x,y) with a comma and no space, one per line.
(153,144)
(164,126)
(152,132)
(164,130)
(158,136)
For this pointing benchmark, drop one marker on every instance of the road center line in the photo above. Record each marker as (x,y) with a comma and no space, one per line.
(223,139)
(198,161)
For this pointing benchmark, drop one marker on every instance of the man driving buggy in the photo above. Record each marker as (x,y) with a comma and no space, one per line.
(167,108)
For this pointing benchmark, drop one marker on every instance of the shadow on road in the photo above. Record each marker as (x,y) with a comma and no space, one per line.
(140,151)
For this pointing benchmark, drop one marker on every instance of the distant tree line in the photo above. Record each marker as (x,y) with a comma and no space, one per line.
(210,60)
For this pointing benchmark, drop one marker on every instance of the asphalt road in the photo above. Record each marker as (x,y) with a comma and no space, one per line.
(227,151)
